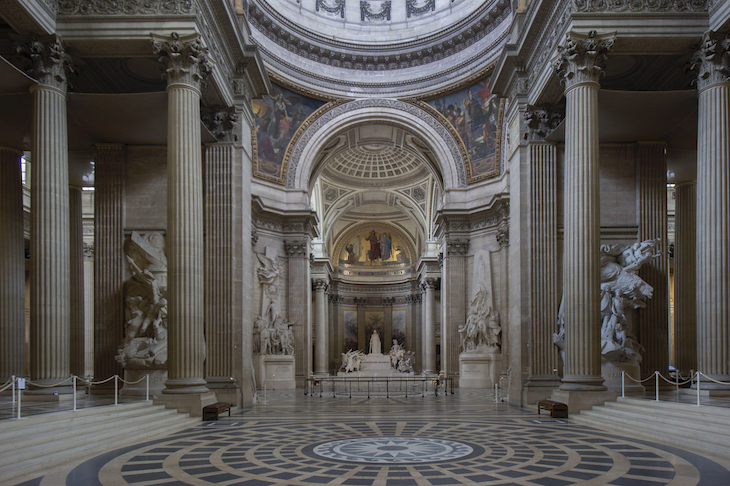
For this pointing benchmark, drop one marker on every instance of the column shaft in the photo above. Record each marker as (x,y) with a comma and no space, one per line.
(653,326)
(12,267)
(219,264)
(299,305)
(186,349)
(454,306)
(685,324)
(581,267)
(49,281)
(320,329)
(76,263)
(109,178)
(429,326)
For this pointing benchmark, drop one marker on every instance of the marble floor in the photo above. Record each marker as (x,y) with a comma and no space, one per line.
(465,438)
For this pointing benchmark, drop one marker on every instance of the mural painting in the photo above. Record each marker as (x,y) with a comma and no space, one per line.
(374,248)
(399,326)
(277,118)
(374,321)
(476,114)
(350,319)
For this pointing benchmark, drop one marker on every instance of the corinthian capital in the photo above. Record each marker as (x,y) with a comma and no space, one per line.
(540,122)
(457,247)
(582,57)
(185,59)
(711,61)
(50,63)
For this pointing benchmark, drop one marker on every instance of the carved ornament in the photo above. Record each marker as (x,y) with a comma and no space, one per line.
(503,235)
(711,61)
(88,252)
(641,5)
(185,59)
(457,247)
(541,122)
(337,8)
(50,64)
(296,248)
(222,123)
(413,9)
(582,57)
(125,7)
(366,11)
(319,284)
(429,283)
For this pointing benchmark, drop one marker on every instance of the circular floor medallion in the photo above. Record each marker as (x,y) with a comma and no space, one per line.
(393,450)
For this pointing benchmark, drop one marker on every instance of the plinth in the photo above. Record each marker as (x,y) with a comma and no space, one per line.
(157,382)
(276,371)
(611,372)
(479,370)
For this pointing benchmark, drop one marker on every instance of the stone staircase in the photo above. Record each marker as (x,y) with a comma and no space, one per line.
(32,446)
(704,429)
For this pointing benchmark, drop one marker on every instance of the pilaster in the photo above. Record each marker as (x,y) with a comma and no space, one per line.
(321,360)
(685,309)
(428,285)
(76,288)
(453,291)
(299,299)
(12,266)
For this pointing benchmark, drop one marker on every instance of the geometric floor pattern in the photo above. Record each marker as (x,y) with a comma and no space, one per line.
(448,440)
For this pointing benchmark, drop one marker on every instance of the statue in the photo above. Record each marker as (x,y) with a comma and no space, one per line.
(481,332)
(621,289)
(351,360)
(145,330)
(375,343)
(400,359)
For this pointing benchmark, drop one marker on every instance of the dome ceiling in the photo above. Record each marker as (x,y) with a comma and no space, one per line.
(353,48)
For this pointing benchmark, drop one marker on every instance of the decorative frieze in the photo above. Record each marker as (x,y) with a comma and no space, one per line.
(185,59)
(50,63)
(337,8)
(641,5)
(125,7)
(711,60)
(413,9)
(319,284)
(366,11)
(540,122)
(457,247)
(582,58)
(296,248)
(503,235)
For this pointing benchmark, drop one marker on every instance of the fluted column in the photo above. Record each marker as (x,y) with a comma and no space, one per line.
(299,304)
(579,65)
(429,325)
(76,288)
(320,328)
(685,312)
(186,63)
(219,296)
(88,309)
(542,264)
(653,325)
(109,176)
(453,288)
(12,266)
(387,323)
(49,248)
(713,208)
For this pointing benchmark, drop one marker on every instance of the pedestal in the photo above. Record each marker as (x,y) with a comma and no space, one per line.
(611,371)
(276,371)
(375,363)
(479,370)
(191,403)
(157,382)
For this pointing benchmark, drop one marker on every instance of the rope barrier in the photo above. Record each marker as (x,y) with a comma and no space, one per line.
(695,377)
(38,385)
(6,385)
(133,382)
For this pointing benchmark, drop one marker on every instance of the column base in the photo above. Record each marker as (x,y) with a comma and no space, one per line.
(539,387)
(181,386)
(190,403)
(582,383)
(578,400)
(226,390)
(710,385)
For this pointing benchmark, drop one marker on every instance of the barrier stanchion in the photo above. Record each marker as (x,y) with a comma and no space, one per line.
(13,378)
(656,386)
(698,387)
(116,390)
(623,387)
(147,395)
(21,386)
(74,391)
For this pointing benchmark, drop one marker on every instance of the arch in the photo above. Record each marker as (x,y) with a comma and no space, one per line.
(302,157)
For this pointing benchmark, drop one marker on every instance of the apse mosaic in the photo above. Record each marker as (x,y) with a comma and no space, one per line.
(476,115)
(373,251)
(277,118)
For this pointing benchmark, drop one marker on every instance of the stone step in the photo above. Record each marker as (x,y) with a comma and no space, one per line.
(44,418)
(35,460)
(709,423)
(68,429)
(665,406)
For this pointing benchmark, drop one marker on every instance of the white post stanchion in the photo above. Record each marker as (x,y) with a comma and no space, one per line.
(74,391)
(656,385)
(496,396)
(13,379)
(116,390)
(698,388)
(148,387)
(21,385)
(623,389)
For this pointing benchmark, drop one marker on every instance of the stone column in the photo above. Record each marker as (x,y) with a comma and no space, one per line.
(49,247)
(388,323)
(219,271)
(76,288)
(109,177)
(363,341)
(12,266)
(186,65)
(541,261)
(713,208)
(429,325)
(336,330)
(298,305)
(579,65)
(88,309)
(653,325)
(454,306)
(685,310)
(320,327)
